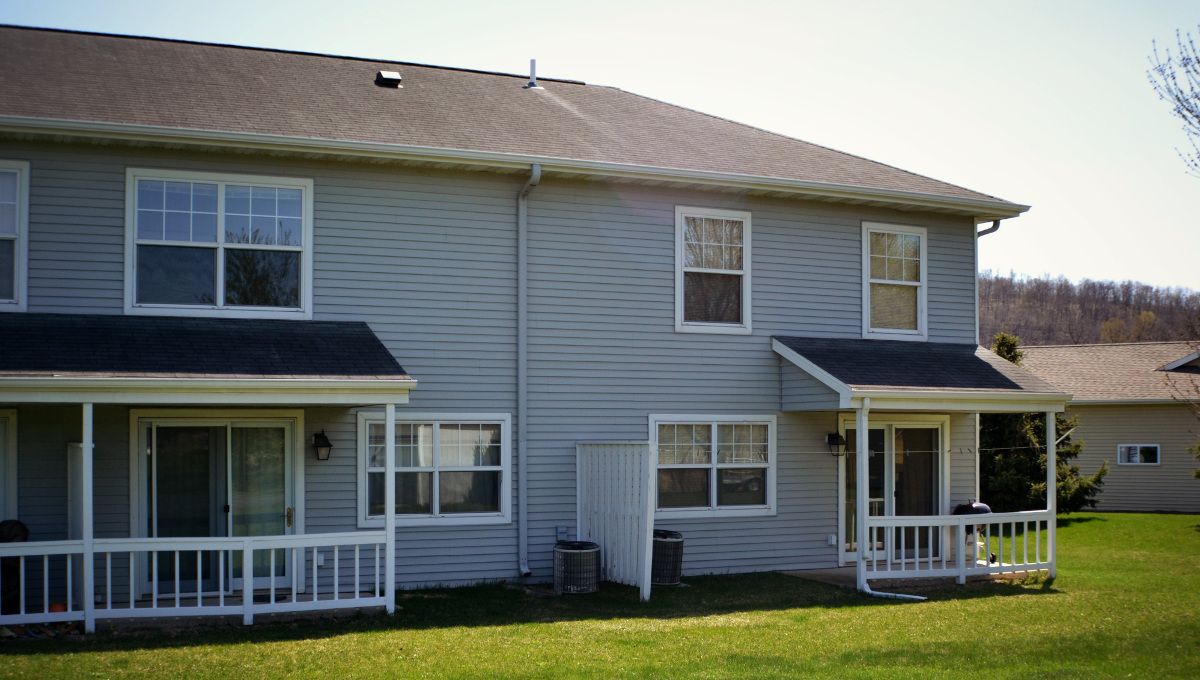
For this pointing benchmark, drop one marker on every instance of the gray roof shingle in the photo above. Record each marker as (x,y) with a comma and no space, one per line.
(38,345)
(900,365)
(176,84)
(1116,372)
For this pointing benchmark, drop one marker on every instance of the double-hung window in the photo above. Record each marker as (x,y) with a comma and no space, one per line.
(449,469)
(14,233)
(714,465)
(894,266)
(1137,454)
(219,245)
(712,271)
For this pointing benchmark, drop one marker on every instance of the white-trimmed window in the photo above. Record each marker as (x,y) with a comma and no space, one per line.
(712,271)
(450,469)
(14,234)
(714,465)
(1138,454)
(205,244)
(894,291)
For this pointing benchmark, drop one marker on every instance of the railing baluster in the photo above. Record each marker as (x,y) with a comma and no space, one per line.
(376,570)
(314,595)
(929,545)
(45,584)
(199,580)
(175,562)
(1025,542)
(337,584)
(108,580)
(987,544)
(1037,541)
(153,579)
(272,577)
(222,563)
(356,546)
(903,557)
(295,575)
(21,581)
(132,589)
(1012,544)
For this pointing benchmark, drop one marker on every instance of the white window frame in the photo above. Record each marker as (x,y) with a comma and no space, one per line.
(681,326)
(1139,448)
(767,510)
(21,238)
(132,175)
(922,331)
(504,516)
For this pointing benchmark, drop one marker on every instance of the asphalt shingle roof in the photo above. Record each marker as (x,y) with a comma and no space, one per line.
(36,345)
(120,79)
(900,365)
(1127,371)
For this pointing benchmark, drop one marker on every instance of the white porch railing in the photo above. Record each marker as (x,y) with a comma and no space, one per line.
(165,577)
(958,545)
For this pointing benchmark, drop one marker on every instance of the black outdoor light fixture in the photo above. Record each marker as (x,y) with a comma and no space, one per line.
(322,445)
(836,443)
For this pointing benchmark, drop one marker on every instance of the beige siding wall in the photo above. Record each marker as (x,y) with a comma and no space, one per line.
(1167,487)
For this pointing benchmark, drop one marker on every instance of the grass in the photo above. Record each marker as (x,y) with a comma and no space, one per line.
(1126,604)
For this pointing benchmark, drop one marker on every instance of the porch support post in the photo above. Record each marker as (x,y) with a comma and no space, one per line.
(1051,491)
(861,501)
(86,530)
(389,506)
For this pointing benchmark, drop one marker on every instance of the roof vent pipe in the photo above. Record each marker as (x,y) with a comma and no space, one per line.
(533,84)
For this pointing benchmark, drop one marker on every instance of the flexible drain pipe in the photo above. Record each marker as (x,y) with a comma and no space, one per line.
(866,589)
(535,176)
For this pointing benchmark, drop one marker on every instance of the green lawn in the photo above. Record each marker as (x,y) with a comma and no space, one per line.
(1126,604)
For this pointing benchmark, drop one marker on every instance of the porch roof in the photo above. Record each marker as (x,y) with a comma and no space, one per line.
(149,359)
(897,374)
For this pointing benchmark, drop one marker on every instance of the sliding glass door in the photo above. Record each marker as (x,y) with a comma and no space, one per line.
(904,465)
(206,478)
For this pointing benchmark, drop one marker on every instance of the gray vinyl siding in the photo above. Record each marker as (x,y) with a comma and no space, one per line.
(964,459)
(427,258)
(1167,487)
(800,391)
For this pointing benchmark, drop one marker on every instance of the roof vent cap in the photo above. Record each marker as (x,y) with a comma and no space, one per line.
(388,79)
(533,83)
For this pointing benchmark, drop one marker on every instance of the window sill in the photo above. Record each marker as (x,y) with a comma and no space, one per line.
(11,306)
(714,513)
(712,328)
(1138,465)
(911,336)
(443,521)
(217,313)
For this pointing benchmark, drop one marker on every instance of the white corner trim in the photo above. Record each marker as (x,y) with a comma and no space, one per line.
(367,416)
(821,375)
(681,326)
(20,301)
(219,310)
(921,334)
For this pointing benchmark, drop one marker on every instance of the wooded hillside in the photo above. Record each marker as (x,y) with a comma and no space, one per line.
(1046,311)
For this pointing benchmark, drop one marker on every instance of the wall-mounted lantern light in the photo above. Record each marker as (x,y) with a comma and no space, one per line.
(322,445)
(836,443)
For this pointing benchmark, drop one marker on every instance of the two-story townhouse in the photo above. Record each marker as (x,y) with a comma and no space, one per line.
(217,260)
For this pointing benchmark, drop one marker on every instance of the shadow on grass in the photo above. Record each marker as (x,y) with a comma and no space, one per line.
(514,605)
(1069,521)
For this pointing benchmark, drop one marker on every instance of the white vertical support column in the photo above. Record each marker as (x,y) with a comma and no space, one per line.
(1051,491)
(389,507)
(649,486)
(861,500)
(89,557)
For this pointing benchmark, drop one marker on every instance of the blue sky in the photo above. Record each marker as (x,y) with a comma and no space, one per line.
(1040,103)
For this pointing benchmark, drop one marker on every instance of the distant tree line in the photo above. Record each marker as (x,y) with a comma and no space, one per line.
(1046,311)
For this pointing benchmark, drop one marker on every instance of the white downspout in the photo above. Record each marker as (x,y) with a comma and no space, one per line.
(535,176)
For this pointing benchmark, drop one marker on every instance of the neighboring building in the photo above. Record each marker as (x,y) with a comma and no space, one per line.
(217,260)
(1132,402)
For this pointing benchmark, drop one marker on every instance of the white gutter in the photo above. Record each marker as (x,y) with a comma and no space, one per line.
(535,176)
(977,207)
